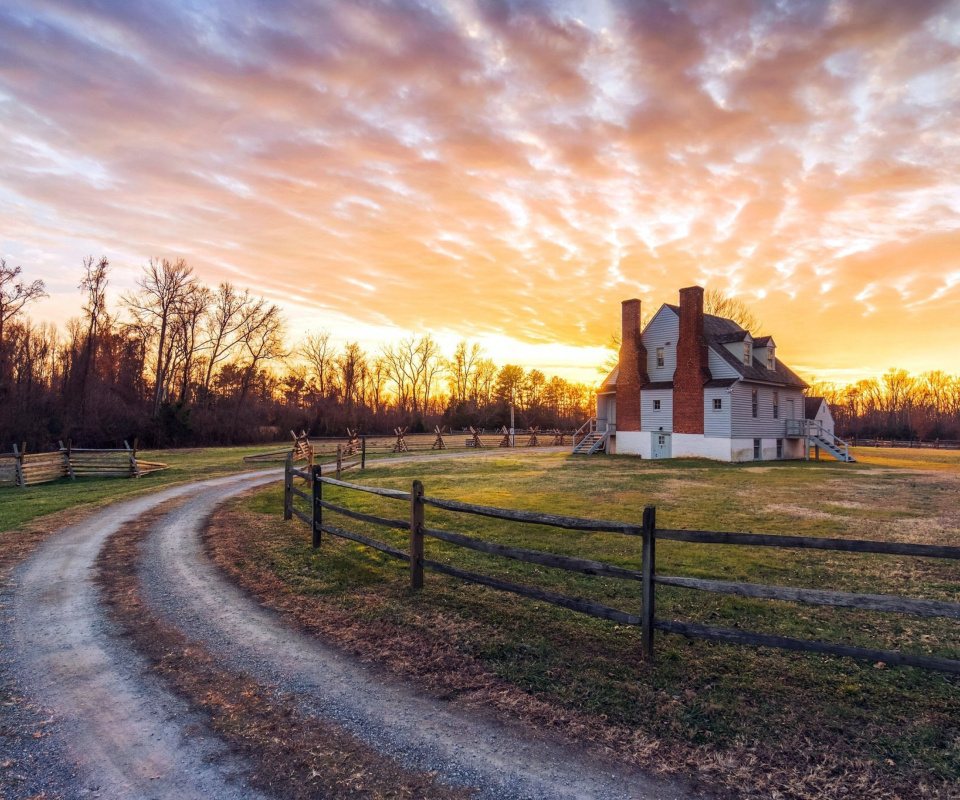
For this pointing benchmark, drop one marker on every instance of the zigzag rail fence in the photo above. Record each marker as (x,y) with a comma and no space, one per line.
(414,524)
(26,469)
(384,445)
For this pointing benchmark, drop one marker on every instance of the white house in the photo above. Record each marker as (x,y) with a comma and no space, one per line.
(692,384)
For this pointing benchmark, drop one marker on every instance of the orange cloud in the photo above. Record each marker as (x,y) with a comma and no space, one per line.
(503,169)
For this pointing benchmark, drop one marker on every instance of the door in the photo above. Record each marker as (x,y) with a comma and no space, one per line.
(661,445)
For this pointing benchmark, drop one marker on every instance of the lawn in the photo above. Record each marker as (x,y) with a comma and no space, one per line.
(805,722)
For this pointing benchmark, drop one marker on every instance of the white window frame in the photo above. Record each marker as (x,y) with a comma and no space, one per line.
(771,359)
(718,404)
(747,353)
(758,449)
(776,405)
(656,405)
(755,403)
(660,357)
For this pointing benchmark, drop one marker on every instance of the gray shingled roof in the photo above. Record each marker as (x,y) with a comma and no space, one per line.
(610,382)
(811,405)
(720,330)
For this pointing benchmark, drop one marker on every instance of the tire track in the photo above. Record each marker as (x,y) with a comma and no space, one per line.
(500,760)
(122,734)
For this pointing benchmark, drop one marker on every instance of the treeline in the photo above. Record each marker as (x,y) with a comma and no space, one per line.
(178,363)
(898,405)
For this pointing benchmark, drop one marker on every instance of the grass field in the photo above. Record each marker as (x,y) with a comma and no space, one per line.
(841,723)
(19,506)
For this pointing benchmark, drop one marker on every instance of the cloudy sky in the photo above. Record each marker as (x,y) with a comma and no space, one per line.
(503,170)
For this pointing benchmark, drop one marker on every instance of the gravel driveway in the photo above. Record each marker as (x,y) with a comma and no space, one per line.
(118,732)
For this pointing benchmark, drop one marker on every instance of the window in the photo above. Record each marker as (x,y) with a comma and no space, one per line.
(776,405)
(656,405)
(754,401)
(661,440)
(771,361)
(717,403)
(747,354)
(659,356)
(779,448)
(757,454)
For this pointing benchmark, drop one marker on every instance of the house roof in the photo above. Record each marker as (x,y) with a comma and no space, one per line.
(610,382)
(720,331)
(811,405)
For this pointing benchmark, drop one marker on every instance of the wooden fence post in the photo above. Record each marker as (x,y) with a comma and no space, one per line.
(416,535)
(316,471)
(363,452)
(339,459)
(21,481)
(288,487)
(649,570)
(68,456)
(134,466)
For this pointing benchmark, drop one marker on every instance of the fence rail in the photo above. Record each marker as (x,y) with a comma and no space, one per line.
(929,444)
(310,448)
(26,469)
(649,533)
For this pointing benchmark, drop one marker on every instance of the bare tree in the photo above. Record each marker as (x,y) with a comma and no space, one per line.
(262,340)
(397,364)
(162,288)
(190,315)
(426,363)
(481,384)
(321,356)
(14,295)
(352,368)
(721,305)
(229,313)
(462,367)
(94,286)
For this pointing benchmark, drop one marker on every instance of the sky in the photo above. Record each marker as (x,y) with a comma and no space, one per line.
(506,171)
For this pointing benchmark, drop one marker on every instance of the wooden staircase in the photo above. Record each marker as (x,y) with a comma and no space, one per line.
(592,441)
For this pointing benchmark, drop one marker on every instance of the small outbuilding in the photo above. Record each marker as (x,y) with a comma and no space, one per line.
(816,410)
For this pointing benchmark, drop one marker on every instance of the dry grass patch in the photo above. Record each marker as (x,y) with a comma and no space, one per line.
(289,755)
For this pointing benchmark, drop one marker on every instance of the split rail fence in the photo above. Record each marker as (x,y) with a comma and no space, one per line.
(26,469)
(646,619)
(305,447)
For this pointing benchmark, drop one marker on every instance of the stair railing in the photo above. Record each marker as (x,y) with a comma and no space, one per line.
(816,429)
(584,431)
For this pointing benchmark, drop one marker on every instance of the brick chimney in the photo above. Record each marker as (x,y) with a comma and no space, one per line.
(692,364)
(633,368)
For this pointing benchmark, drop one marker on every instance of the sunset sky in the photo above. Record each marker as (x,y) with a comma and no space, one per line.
(506,171)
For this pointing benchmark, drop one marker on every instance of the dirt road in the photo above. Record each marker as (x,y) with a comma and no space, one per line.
(119,732)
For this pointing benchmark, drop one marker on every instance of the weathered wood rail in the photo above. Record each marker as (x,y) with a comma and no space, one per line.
(26,469)
(649,533)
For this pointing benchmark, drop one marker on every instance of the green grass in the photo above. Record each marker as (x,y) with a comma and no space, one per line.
(904,721)
(19,506)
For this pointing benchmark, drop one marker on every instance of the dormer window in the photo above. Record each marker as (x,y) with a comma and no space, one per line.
(771,359)
(747,353)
